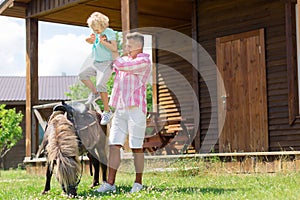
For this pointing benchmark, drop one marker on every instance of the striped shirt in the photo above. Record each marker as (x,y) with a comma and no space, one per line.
(131,82)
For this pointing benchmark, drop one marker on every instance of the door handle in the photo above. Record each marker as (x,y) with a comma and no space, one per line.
(224,97)
(224,100)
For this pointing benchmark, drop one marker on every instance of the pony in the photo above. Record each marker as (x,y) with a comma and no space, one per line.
(72,131)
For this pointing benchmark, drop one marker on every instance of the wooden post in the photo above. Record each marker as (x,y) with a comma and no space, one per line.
(291,59)
(31,82)
(154,76)
(129,16)
(195,58)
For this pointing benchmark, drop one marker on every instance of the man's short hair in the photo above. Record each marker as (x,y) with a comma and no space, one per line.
(136,36)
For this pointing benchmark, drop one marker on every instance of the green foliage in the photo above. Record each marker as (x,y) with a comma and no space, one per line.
(119,39)
(10,129)
(149,97)
(78,91)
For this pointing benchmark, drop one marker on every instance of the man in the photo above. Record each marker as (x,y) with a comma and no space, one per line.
(129,99)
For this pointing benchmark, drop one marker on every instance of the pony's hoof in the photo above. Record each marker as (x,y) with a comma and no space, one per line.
(45,192)
(72,196)
(94,184)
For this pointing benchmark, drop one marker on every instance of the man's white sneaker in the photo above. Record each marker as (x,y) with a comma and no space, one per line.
(92,97)
(106,117)
(136,187)
(106,187)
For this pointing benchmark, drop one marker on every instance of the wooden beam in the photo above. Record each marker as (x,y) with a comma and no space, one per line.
(31,81)
(19,4)
(129,16)
(195,61)
(39,8)
(41,120)
(6,4)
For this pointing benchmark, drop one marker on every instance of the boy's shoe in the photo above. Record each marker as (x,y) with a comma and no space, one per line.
(136,187)
(106,187)
(92,97)
(106,117)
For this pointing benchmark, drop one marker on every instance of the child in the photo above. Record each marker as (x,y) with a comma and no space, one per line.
(129,99)
(99,62)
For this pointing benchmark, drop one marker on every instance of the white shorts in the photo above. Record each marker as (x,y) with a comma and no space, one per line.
(130,122)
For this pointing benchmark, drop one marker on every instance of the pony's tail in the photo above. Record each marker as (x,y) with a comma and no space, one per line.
(63,151)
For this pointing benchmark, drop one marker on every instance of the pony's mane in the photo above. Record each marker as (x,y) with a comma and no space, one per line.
(63,149)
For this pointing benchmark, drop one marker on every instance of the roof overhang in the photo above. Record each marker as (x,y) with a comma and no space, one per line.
(155,13)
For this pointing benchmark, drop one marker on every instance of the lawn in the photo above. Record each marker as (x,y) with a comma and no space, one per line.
(193,184)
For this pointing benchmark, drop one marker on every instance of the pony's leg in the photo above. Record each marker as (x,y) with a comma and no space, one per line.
(96,166)
(104,171)
(103,165)
(103,162)
(48,179)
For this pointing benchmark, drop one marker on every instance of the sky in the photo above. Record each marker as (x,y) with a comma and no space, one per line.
(62,48)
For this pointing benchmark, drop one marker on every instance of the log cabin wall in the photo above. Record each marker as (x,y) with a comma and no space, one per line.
(220,18)
(170,107)
(166,81)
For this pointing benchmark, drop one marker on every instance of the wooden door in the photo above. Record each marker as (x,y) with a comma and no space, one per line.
(242,100)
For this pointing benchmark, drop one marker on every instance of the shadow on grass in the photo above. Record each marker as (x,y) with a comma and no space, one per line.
(91,192)
(192,190)
(121,190)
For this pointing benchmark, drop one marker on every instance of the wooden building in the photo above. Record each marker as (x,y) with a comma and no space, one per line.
(242,68)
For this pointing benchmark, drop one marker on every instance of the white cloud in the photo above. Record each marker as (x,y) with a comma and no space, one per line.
(62,53)
(12,46)
(58,52)
(62,48)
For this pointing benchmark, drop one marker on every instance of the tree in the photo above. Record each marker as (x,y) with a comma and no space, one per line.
(10,129)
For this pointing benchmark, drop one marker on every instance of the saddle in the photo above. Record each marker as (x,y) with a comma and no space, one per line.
(86,124)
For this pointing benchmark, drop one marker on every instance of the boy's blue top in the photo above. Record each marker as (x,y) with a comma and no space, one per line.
(100,52)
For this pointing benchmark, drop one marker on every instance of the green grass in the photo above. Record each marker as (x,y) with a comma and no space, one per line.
(17,184)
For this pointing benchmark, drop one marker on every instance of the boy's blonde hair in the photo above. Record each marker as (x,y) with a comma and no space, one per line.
(97,20)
